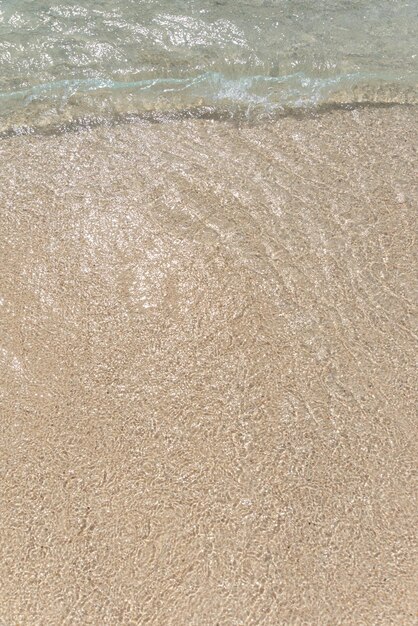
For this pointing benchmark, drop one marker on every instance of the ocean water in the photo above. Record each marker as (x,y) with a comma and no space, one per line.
(208,380)
(73,62)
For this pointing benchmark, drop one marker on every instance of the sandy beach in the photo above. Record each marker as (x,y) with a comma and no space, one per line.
(208,373)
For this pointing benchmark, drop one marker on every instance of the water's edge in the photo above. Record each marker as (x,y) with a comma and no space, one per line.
(237,118)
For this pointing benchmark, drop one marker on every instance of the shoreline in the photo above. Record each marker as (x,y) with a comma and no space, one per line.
(208,364)
(239,118)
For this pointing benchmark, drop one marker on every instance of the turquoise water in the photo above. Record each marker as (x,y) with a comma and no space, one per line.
(67,62)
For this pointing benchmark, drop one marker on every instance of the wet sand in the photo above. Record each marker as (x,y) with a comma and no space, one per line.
(207,364)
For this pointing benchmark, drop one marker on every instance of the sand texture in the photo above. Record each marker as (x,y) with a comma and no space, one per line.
(207,373)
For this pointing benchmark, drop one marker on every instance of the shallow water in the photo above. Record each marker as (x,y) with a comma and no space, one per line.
(80,60)
(208,330)
(208,373)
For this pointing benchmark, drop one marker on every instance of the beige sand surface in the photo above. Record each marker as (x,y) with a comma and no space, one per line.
(208,394)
